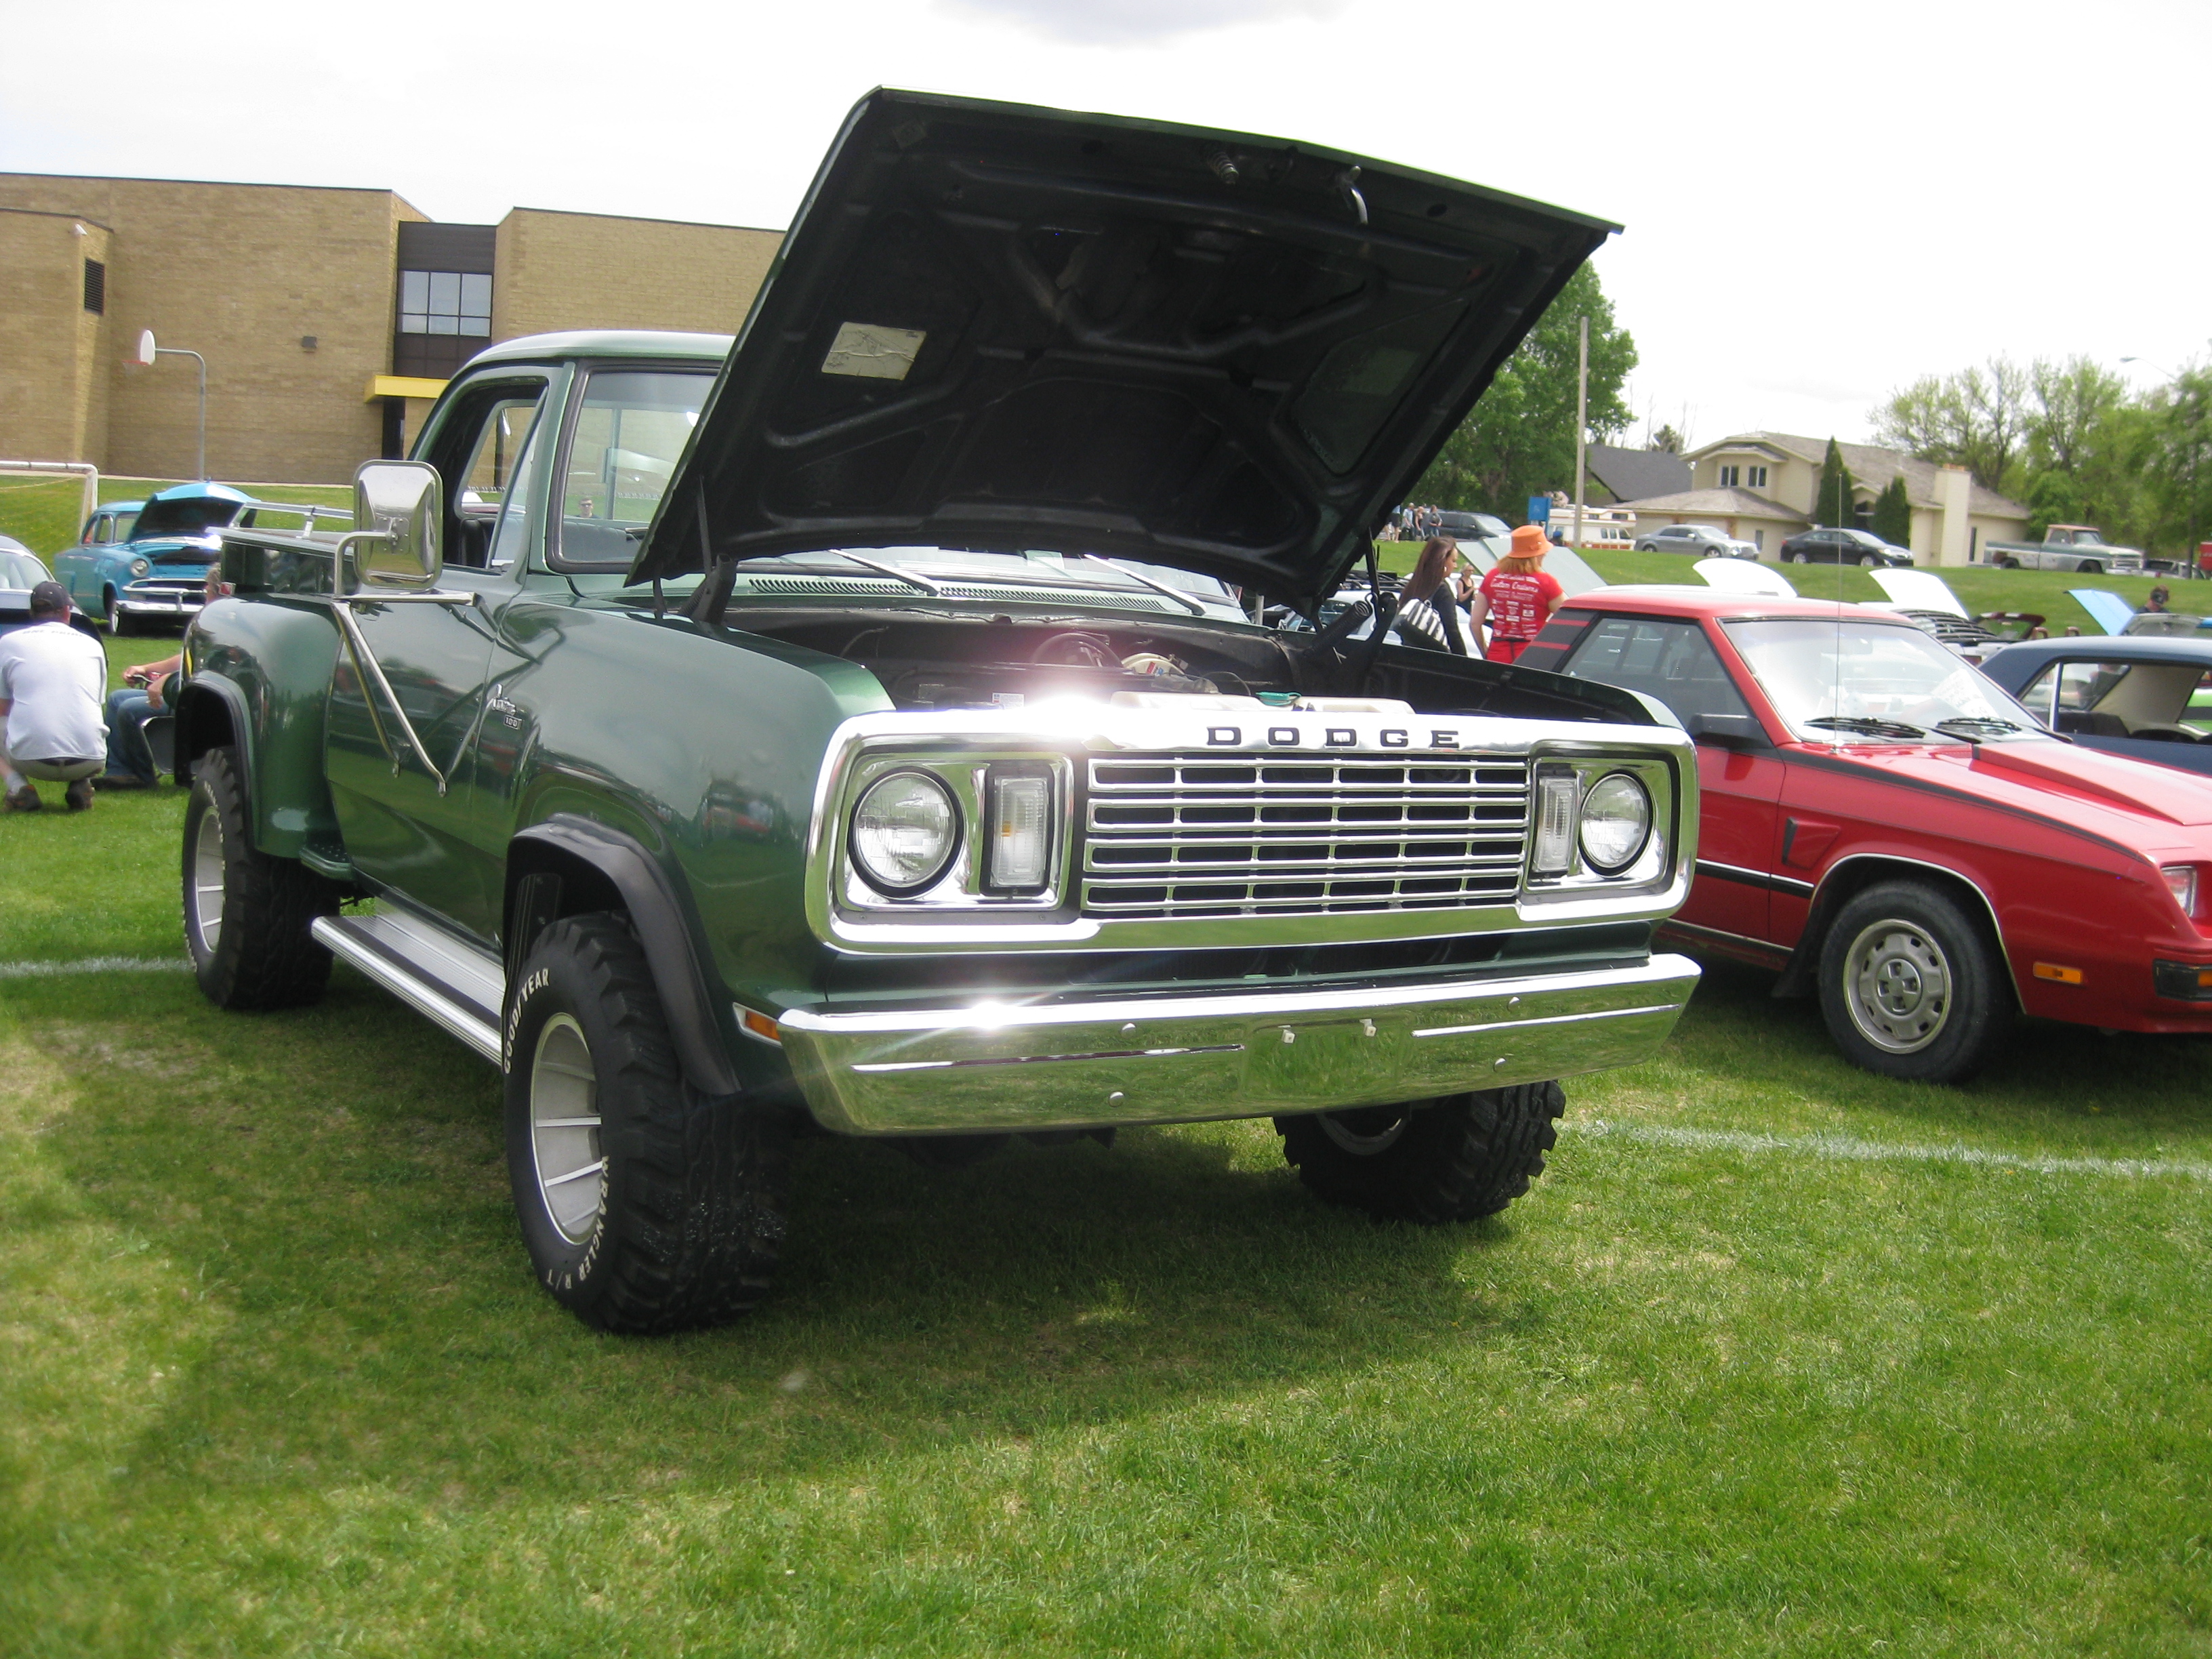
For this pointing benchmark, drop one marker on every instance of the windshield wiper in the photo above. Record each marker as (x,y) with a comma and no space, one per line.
(1866,726)
(1174,593)
(893,573)
(1974,727)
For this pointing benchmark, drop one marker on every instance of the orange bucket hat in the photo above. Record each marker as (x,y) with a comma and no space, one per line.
(1530,541)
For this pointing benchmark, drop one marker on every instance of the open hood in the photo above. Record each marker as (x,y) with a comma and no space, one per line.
(1004,327)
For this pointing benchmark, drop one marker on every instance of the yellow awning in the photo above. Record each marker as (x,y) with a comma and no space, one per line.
(403,385)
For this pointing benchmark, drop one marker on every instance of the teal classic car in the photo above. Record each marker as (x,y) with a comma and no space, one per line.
(141,563)
(857,728)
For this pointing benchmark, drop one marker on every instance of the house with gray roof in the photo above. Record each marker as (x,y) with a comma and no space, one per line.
(1767,480)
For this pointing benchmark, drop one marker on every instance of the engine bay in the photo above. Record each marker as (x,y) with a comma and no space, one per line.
(934,659)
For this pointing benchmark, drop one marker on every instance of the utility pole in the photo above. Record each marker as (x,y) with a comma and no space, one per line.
(148,351)
(1582,429)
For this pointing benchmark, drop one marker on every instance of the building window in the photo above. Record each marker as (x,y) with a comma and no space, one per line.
(95,288)
(445,302)
(1758,478)
(1730,475)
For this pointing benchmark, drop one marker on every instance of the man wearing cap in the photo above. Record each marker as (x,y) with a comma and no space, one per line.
(52,680)
(1517,598)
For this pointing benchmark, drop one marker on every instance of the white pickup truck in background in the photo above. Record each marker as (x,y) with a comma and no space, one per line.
(2079,547)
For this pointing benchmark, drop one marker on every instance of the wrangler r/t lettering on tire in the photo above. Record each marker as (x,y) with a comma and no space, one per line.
(645,1205)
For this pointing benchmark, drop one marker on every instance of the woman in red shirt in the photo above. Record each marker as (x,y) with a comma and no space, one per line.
(1516,598)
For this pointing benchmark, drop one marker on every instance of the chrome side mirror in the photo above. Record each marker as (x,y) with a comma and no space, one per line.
(398,510)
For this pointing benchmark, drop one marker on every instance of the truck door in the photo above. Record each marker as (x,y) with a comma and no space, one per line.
(410,822)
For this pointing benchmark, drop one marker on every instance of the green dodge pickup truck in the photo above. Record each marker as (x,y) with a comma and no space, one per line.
(857,727)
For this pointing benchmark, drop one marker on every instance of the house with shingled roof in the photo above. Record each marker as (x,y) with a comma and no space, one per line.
(1766,480)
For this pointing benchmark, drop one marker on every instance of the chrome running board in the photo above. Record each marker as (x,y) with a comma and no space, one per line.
(456,985)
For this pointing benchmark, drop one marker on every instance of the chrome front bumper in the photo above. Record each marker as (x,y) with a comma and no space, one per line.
(1186,1059)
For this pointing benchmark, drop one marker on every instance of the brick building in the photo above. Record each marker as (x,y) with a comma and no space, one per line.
(328,317)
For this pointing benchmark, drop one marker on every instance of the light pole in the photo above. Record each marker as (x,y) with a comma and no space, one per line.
(1581,429)
(148,351)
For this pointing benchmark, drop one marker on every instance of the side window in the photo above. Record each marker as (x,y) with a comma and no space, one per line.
(2068,696)
(478,451)
(100,531)
(1670,660)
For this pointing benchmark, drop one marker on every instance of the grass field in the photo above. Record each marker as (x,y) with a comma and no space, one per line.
(46,516)
(1777,1357)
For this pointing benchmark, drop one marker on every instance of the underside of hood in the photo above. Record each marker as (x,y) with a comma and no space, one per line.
(1004,327)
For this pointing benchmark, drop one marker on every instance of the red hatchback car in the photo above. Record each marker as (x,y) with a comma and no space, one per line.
(1882,824)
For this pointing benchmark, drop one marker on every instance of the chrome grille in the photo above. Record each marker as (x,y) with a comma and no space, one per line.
(1197,835)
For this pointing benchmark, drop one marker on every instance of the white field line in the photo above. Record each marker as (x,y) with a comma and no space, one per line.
(1850,1149)
(95,965)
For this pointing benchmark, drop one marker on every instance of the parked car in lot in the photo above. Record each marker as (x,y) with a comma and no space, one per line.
(1825,546)
(809,741)
(1700,539)
(2142,696)
(20,570)
(140,562)
(1886,826)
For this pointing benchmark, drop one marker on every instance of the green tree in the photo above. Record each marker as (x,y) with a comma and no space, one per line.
(1892,514)
(1977,418)
(1520,440)
(1831,503)
(1667,442)
(2175,462)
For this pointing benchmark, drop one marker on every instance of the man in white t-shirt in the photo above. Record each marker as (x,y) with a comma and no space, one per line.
(52,678)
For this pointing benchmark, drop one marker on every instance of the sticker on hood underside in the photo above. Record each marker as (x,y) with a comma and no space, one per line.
(873,352)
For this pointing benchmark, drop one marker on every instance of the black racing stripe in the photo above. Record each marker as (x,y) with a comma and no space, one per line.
(1819,762)
(1754,878)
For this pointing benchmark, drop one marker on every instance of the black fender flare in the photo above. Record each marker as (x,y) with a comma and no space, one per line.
(660,915)
(200,691)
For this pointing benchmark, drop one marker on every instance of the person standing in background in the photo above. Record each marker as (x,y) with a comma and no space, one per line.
(1517,598)
(1425,602)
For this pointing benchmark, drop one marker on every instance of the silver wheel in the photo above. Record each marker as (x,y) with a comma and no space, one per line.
(1898,986)
(207,869)
(564,1129)
(1367,1131)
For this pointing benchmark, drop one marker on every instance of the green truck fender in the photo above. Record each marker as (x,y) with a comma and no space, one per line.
(552,852)
(258,677)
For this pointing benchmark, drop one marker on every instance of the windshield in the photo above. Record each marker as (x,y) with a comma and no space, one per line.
(194,516)
(1837,680)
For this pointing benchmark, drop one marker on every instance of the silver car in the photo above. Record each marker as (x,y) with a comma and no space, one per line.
(1701,540)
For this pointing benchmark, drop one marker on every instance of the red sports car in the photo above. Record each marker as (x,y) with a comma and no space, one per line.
(1883,823)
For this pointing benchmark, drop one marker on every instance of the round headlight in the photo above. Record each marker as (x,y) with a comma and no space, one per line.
(905,830)
(140,567)
(1616,823)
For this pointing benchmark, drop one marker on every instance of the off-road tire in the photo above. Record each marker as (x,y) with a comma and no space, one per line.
(1912,927)
(1431,1161)
(262,955)
(689,1215)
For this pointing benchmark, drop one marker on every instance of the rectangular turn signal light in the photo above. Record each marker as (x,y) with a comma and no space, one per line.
(762,1026)
(2051,971)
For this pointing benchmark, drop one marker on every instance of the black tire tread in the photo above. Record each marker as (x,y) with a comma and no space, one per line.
(265,958)
(694,1238)
(1980,974)
(1462,1157)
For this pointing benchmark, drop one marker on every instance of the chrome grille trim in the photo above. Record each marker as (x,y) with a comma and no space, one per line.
(1196,833)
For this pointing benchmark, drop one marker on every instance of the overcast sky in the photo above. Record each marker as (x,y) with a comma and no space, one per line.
(1820,203)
